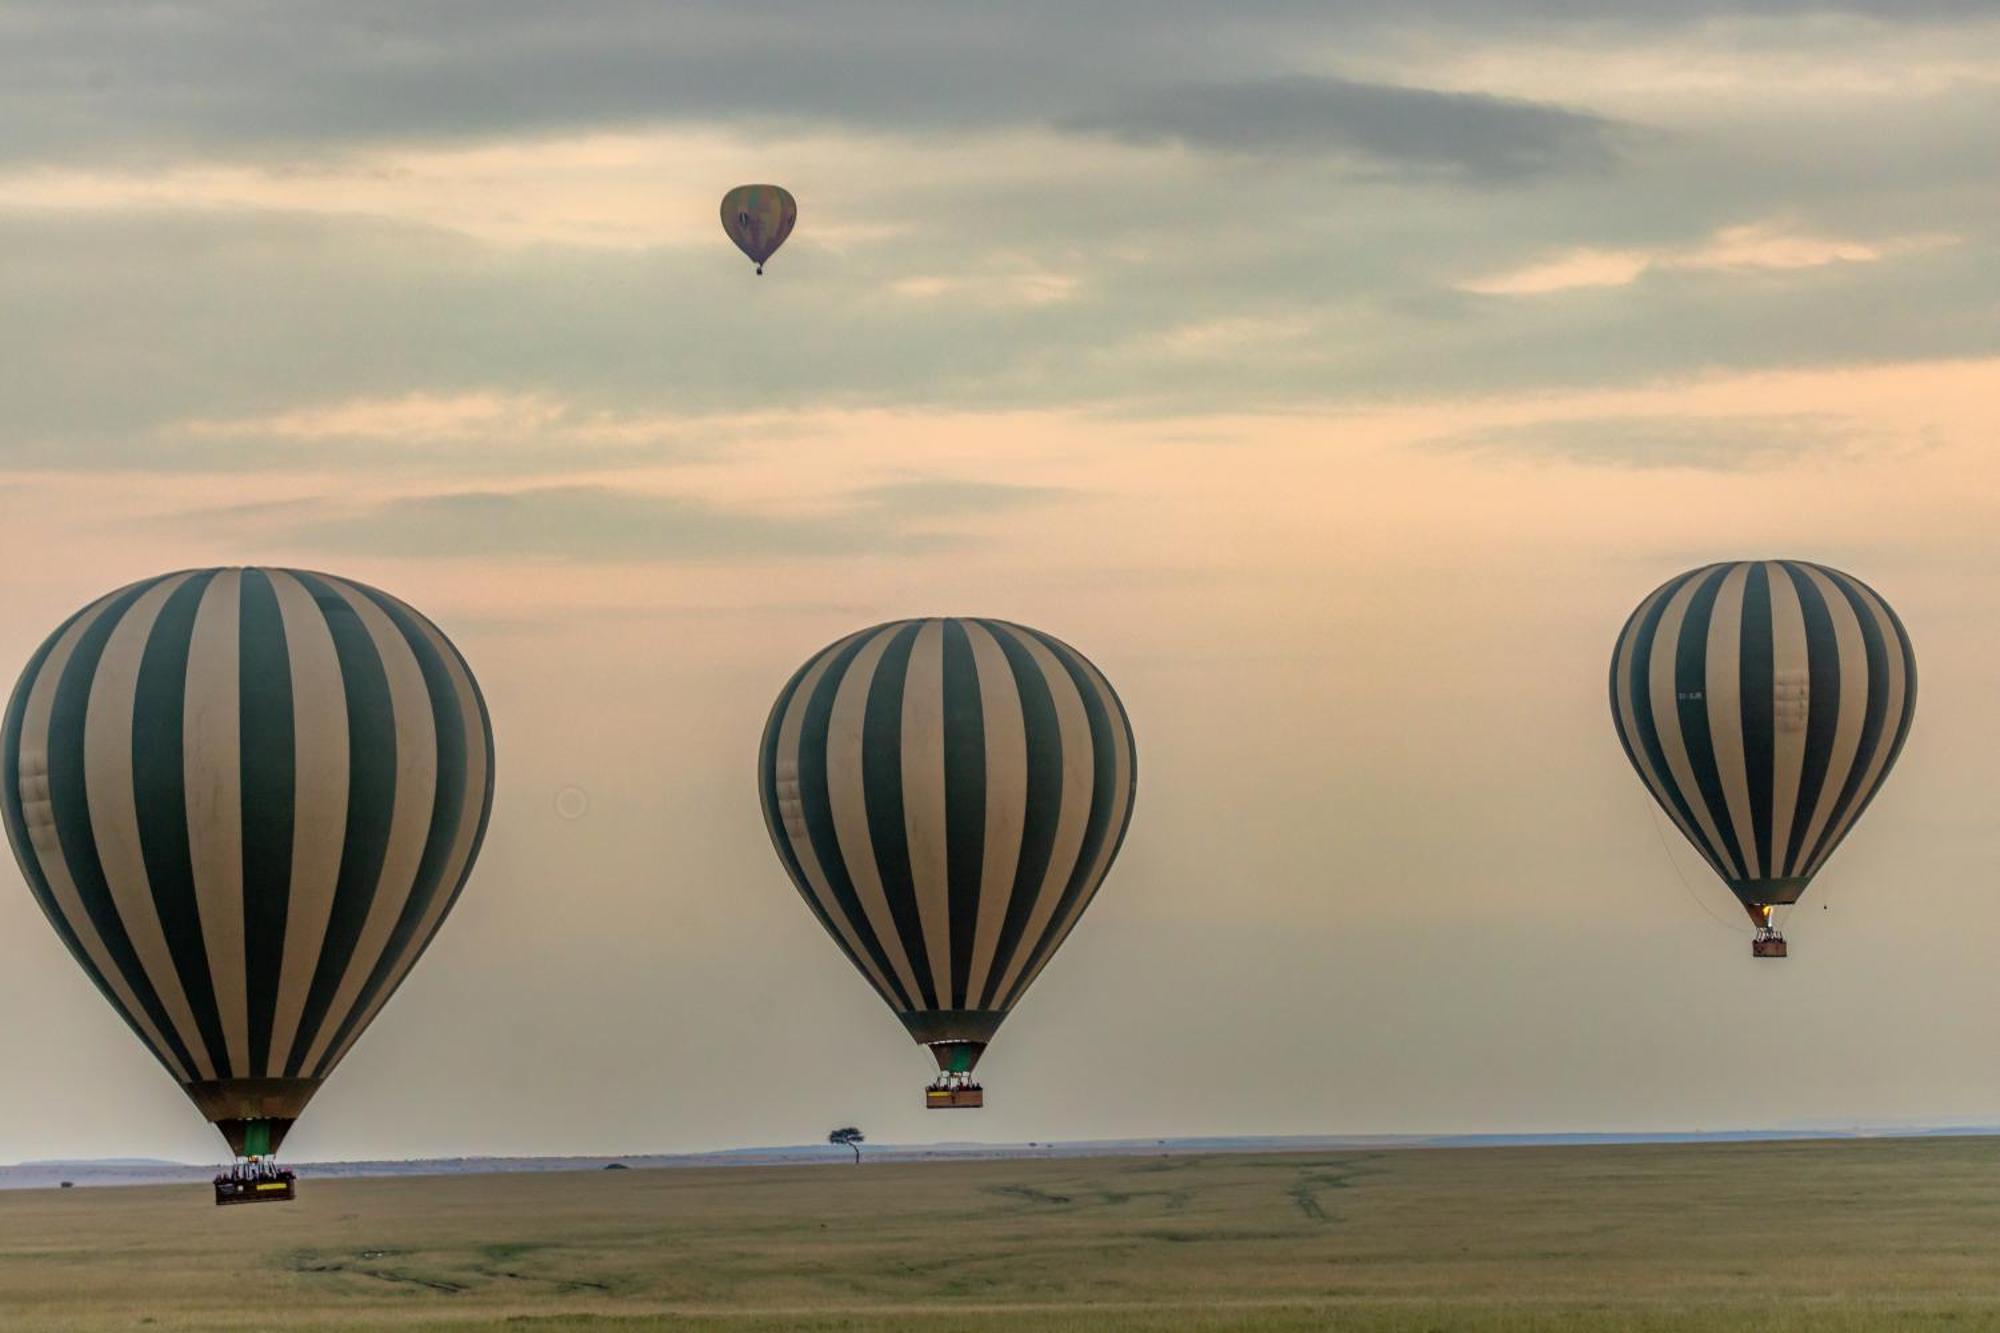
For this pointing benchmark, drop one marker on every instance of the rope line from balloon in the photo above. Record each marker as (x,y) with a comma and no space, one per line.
(1667,850)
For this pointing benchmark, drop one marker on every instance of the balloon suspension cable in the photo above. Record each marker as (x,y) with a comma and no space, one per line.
(1667,851)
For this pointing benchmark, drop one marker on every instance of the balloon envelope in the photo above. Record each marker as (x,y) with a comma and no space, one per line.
(947,795)
(246,799)
(1763,703)
(759,218)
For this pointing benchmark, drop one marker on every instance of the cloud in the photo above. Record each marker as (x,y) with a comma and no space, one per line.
(1023,284)
(942,498)
(590,523)
(465,433)
(1583,267)
(1700,443)
(1263,336)
(411,418)
(600,190)
(527,424)
(135,80)
(1768,246)
(240,78)
(1469,135)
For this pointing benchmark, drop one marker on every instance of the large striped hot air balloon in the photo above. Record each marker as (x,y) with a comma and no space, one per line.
(947,795)
(246,799)
(1763,703)
(759,218)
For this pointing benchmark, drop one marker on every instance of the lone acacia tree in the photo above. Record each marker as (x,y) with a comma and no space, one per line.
(848,1137)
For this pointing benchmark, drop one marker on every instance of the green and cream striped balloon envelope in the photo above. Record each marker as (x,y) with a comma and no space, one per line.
(759,218)
(947,795)
(1763,703)
(246,799)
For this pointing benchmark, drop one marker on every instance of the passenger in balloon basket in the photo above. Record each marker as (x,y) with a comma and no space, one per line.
(954,1091)
(254,1180)
(1770,942)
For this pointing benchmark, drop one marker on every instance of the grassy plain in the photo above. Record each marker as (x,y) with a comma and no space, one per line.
(1773,1236)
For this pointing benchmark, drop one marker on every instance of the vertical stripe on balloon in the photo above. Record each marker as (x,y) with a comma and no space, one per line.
(71,854)
(1791,709)
(156,737)
(448,754)
(878,789)
(371,797)
(1723,684)
(31,829)
(1668,681)
(1756,694)
(926,843)
(1691,687)
(822,839)
(108,757)
(413,752)
(842,757)
(1041,811)
(964,755)
(1005,783)
(465,804)
(211,803)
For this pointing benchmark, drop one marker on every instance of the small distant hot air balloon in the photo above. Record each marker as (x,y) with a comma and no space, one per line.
(947,796)
(759,218)
(246,799)
(1763,703)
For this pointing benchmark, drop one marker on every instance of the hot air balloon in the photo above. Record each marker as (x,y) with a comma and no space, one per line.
(759,218)
(947,795)
(1763,703)
(246,799)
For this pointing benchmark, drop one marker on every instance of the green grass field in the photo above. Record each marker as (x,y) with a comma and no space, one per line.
(1789,1236)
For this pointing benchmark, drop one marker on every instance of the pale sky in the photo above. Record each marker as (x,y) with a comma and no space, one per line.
(1336,376)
